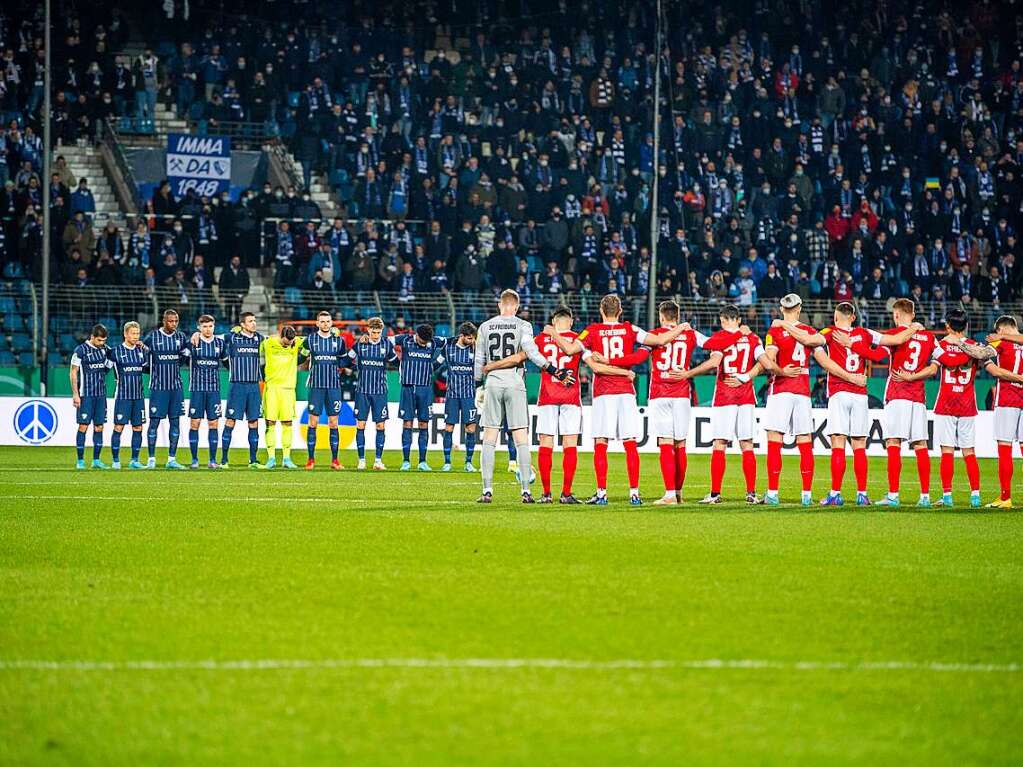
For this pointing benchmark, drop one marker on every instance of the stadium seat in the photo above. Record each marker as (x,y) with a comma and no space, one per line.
(124,125)
(54,359)
(14,323)
(21,342)
(25,359)
(6,306)
(367,310)
(7,359)
(443,329)
(67,343)
(347,312)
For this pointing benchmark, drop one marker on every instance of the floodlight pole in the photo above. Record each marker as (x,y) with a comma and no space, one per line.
(651,309)
(43,331)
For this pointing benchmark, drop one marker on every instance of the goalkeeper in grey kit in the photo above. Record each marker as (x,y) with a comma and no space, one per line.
(503,394)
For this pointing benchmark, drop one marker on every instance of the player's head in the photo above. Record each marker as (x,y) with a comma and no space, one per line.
(903,311)
(98,335)
(287,335)
(508,302)
(611,307)
(561,318)
(668,311)
(467,333)
(424,334)
(845,314)
(170,320)
(375,328)
(206,325)
(791,306)
(248,322)
(956,321)
(131,332)
(323,321)
(730,317)
(1006,324)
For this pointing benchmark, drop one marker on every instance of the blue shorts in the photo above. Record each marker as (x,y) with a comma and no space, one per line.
(371,407)
(324,402)
(205,404)
(167,404)
(460,410)
(92,410)
(129,412)
(416,403)
(244,402)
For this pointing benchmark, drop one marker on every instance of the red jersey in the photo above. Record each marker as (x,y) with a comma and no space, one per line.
(790,352)
(956,395)
(676,355)
(912,357)
(847,359)
(1010,357)
(553,391)
(740,357)
(613,340)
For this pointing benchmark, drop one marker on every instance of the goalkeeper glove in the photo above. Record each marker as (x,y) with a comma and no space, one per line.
(562,374)
(481,395)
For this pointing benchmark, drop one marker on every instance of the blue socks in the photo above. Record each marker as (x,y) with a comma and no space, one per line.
(360,443)
(380,444)
(193,443)
(225,443)
(424,441)
(513,452)
(115,446)
(136,444)
(97,444)
(335,441)
(151,437)
(80,444)
(448,440)
(212,437)
(310,442)
(253,442)
(174,436)
(406,442)
(470,445)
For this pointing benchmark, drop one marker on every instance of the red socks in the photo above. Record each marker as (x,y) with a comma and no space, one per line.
(569,459)
(749,468)
(1005,470)
(894,468)
(546,460)
(923,467)
(806,464)
(681,462)
(631,462)
(668,467)
(972,471)
(600,464)
(773,465)
(946,468)
(717,471)
(837,468)
(860,468)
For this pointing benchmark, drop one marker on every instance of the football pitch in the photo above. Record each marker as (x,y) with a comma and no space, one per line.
(386,619)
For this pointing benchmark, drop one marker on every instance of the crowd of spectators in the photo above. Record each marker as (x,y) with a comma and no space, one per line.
(856,151)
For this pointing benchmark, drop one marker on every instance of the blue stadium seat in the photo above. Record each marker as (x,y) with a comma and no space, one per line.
(367,310)
(7,359)
(109,322)
(26,360)
(347,312)
(124,125)
(14,323)
(55,359)
(442,329)
(301,312)
(21,342)
(292,296)
(67,343)
(6,306)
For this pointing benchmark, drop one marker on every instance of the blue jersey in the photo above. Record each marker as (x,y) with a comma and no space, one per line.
(243,355)
(460,361)
(326,355)
(92,364)
(205,364)
(166,354)
(128,365)
(371,362)
(416,367)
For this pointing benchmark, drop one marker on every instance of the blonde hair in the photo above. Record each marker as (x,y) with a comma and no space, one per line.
(131,325)
(904,305)
(509,297)
(375,323)
(611,305)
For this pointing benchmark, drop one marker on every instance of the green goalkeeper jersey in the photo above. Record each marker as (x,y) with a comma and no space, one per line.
(280,361)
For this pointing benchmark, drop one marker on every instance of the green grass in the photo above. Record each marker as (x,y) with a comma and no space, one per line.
(245,566)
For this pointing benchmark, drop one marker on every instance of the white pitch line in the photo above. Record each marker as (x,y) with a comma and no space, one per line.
(271,664)
(231,498)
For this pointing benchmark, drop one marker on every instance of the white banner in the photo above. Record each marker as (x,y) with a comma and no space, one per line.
(51,422)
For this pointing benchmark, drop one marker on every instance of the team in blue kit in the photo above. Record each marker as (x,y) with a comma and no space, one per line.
(89,367)
(415,404)
(204,400)
(460,397)
(371,355)
(244,399)
(130,359)
(167,353)
(326,352)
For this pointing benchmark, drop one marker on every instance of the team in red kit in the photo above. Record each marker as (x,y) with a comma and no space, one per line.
(736,355)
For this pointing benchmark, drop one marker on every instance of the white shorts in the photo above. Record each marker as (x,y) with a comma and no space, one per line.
(788,413)
(905,420)
(848,415)
(732,422)
(955,431)
(1009,424)
(559,420)
(669,417)
(615,416)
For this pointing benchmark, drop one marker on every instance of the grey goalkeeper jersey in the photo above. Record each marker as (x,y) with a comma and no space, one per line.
(501,337)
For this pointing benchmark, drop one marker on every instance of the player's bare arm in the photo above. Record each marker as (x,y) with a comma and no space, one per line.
(1002,374)
(833,368)
(927,372)
(660,339)
(898,339)
(709,364)
(609,370)
(976,351)
(1016,338)
(806,339)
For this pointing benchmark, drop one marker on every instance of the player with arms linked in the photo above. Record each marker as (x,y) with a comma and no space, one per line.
(458,355)
(1007,368)
(327,352)
(129,359)
(89,367)
(415,371)
(371,354)
(167,353)
(204,402)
